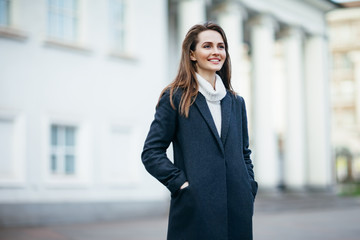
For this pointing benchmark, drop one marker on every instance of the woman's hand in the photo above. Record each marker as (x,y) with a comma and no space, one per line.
(186,184)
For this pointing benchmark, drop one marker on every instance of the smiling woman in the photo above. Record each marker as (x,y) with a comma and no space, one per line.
(211,180)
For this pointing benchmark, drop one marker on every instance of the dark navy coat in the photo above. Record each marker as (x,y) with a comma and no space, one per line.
(218,203)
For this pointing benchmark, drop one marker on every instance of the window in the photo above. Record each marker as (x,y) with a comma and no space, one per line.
(12,149)
(5,12)
(6,145)
(342,61)
(63,20)
(63,150)
(120,148)
(118,25)
(9,24)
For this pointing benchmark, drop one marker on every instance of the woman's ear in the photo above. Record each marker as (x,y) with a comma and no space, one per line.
(192,56)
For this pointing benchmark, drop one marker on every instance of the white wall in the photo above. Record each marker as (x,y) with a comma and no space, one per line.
(43,83)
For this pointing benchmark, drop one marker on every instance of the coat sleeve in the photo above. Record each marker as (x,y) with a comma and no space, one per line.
(161,134)
(246,150)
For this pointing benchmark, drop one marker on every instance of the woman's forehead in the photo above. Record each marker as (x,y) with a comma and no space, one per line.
(210,36)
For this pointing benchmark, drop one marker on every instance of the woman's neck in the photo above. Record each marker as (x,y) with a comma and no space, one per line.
(208,91)
(210,77)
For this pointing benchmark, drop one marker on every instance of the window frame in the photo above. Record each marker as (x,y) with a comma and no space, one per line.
(17,177)
(11,30)
(59,17)
(8,19)
(118,24)
(61,150)
(78,43)
(126,51)
(84,159)
(112,132)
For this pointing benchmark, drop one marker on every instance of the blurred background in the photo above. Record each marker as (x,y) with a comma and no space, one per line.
(79,81)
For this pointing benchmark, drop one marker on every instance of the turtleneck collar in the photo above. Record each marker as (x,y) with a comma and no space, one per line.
(208,91)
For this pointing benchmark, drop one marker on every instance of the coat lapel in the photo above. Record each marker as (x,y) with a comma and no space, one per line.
(201,104)
(226,104)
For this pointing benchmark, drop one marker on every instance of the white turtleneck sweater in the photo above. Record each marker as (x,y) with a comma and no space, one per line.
(213,97)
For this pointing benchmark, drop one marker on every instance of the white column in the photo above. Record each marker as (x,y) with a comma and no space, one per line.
(355,57)
(318,112)
(357,91)
(265,152)
(190,12)
(295,151)
(230,16)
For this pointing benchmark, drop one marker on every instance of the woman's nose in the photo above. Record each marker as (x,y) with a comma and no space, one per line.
(216,51)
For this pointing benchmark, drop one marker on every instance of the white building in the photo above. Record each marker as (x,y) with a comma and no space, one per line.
(79,81)
(345,38)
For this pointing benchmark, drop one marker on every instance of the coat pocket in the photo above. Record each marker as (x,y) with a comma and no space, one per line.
(179,192)
(254,187)
(182,209)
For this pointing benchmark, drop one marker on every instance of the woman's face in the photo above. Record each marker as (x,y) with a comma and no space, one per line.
(209,53)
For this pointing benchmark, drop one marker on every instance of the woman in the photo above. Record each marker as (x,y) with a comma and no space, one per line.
(211,180)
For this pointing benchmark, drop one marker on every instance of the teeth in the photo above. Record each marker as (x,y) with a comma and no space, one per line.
(215,60)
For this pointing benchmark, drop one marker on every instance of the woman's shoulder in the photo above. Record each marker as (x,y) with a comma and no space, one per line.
(175,93)
(239,100)
(235,96)
(170,97)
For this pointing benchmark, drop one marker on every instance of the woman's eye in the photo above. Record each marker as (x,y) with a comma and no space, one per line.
(222,47)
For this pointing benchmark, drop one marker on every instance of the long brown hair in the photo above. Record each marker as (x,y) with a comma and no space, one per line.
(186,78)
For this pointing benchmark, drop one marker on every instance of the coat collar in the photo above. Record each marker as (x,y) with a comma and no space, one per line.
(226,104)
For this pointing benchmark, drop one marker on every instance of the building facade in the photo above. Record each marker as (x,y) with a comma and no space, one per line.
(345,91)
(79,81)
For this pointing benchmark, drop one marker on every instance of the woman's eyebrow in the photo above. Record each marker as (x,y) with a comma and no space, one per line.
(209,42)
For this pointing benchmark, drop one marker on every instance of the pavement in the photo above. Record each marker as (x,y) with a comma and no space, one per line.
(276,217)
